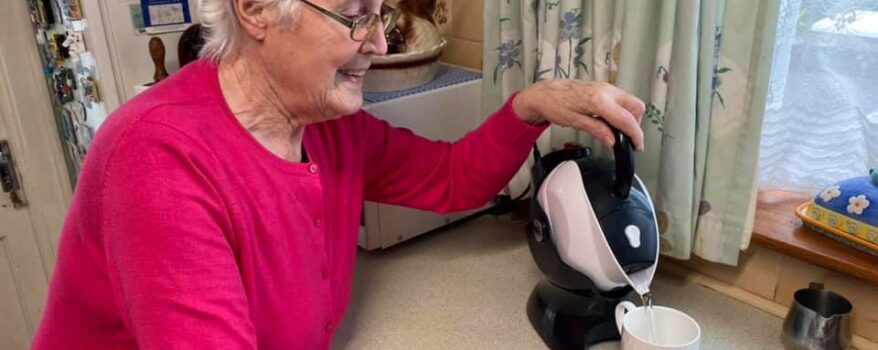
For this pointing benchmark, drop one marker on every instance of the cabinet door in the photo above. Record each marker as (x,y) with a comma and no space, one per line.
(23,281)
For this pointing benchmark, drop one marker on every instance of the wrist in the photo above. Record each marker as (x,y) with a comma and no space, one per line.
(520,105)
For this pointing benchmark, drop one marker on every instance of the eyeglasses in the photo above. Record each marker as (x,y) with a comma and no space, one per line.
(362,27)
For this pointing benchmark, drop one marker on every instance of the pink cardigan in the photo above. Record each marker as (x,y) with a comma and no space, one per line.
(184,232)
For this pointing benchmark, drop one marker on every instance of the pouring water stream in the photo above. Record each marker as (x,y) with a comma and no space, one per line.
(646,298)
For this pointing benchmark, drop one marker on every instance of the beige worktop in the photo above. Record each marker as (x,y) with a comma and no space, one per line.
(466,288)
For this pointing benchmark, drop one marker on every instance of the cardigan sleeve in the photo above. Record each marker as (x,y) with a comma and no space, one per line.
(170,262)
(405,169)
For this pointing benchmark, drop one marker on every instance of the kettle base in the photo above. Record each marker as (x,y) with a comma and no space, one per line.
(567,319)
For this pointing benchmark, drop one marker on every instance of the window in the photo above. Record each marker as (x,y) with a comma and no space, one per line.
(821,120)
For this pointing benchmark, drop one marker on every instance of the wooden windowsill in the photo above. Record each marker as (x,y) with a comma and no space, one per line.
(778,228)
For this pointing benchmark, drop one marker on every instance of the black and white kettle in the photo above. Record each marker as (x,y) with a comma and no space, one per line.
(594,234)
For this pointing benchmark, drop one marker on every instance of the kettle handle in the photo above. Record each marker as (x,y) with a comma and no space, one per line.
(623,152)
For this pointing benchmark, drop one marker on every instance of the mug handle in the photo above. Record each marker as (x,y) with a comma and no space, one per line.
(622,309)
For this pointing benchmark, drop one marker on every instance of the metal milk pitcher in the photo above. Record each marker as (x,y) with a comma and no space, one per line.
(818,319)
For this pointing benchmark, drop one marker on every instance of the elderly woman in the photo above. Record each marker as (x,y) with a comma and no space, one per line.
(220,209)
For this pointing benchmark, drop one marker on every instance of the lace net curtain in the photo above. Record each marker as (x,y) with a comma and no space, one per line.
(821,120)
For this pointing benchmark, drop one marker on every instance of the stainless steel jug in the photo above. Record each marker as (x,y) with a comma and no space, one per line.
(818,319)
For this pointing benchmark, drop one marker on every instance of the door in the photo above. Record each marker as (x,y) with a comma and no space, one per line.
(29,229)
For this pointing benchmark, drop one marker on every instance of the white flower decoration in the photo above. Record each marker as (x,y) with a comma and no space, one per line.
(830,193)
(857,204)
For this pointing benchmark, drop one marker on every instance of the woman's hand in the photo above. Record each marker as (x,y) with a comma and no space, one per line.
(585,105)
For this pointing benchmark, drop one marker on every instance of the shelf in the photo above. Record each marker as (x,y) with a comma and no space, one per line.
(778,228)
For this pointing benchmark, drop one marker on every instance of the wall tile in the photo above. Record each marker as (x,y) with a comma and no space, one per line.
(468,16)
(444,16)
(758,271)
(463,52)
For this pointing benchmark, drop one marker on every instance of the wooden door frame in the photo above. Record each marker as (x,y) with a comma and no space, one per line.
(26,111)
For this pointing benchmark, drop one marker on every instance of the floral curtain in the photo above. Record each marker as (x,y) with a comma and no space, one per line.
(702,67)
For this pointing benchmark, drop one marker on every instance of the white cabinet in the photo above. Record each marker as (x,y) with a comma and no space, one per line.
(446,113)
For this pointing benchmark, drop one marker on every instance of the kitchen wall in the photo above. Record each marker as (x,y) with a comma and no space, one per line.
(129,52)
(462,28)
(775,277)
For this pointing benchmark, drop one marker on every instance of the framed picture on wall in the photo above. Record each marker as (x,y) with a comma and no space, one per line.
(162,16)
(72,9)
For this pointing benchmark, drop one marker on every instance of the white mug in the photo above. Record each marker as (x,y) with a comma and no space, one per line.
(674,330)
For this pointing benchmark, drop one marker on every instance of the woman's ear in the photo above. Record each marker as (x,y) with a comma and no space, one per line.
(253,18)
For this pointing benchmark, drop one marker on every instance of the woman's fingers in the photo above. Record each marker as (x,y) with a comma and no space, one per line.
(574,103)
(618,108)
(596,127)
(622,119)
(631,127)
(633,105)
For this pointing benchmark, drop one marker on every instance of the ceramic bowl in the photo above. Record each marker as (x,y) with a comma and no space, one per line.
(414,67)
(403,71)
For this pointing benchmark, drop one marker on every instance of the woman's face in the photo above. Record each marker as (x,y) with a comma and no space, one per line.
(315,65)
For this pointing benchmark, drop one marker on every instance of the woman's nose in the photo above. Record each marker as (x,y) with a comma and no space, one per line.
(376,45)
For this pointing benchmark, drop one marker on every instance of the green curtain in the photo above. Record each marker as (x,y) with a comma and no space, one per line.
(702,67)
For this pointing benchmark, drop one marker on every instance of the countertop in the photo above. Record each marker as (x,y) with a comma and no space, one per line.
(466,288)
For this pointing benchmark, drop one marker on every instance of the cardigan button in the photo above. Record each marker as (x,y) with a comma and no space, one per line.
(313,168)
(328,327)
(324,273)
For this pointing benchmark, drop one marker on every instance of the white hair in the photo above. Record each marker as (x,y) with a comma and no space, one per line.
(222,31)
